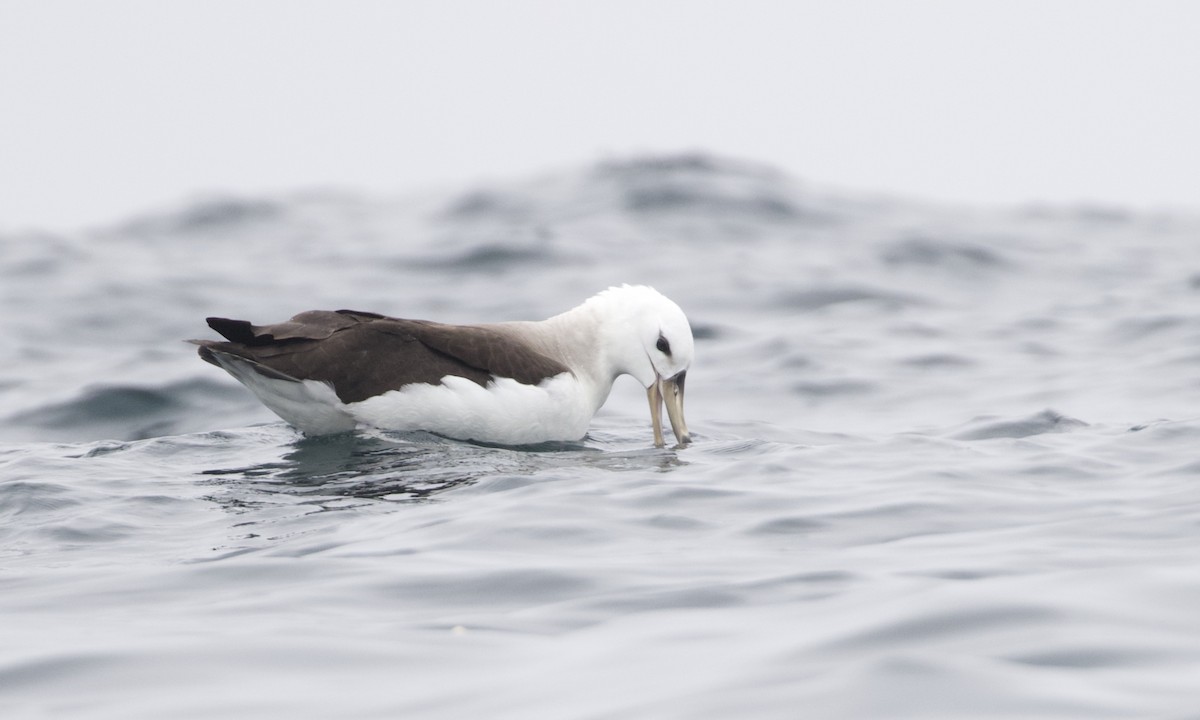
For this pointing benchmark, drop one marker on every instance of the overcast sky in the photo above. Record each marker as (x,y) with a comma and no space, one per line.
(110,108)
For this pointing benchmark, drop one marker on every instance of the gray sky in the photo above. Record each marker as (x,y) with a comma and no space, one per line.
(109,108)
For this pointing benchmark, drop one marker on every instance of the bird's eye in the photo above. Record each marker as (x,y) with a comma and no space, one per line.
(663,346)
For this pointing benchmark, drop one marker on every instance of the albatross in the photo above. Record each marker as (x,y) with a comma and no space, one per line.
(509,383)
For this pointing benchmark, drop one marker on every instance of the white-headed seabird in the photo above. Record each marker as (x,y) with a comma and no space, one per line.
(511,383)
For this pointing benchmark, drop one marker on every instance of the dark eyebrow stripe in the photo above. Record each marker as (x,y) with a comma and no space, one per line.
(663,346)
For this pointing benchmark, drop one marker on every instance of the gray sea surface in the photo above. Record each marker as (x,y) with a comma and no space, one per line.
(947,464)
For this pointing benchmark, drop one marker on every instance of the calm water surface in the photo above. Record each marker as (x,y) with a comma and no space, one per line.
(947,465)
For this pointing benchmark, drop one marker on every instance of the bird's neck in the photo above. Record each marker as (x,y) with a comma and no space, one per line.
(583,339)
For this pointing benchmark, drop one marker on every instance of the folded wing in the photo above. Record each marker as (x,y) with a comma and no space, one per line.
(364,354)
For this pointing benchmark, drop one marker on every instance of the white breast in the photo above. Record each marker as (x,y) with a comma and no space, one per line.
(505,412)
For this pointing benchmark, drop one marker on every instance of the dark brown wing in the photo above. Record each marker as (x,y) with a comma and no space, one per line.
(363,354)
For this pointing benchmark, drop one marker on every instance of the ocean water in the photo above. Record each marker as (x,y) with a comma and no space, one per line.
(947,464)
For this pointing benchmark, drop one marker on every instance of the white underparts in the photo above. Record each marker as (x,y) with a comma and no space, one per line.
(309,405)
(504,411)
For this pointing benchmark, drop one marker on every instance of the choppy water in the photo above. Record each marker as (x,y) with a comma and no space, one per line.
(947,465)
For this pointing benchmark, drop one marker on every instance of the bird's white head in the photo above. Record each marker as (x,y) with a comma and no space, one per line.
(648,337)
